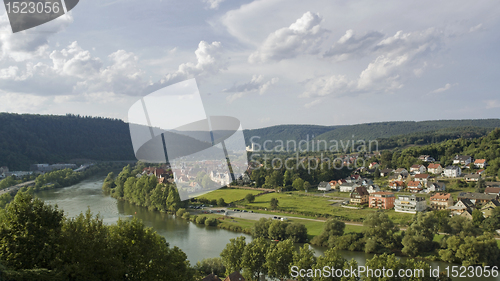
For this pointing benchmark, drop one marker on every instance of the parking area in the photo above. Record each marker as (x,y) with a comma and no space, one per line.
(244,214)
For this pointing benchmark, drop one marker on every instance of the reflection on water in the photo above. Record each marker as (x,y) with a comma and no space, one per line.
(198,242)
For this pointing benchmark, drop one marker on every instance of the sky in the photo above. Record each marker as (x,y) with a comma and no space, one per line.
(265,62)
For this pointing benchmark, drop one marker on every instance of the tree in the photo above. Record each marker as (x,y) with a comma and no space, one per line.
(287,178)
(221,202)
(30,233)
(297,232)
(307,185)
(211,265)
(232,254)
(304,259)
(277,230)
(278,259)
(298,184)
(477,217)
(250,198)
(492,223)
(274,203)
(332,229)
(254,258)
(261,228)
(331,259)
(419,236)
(380,232)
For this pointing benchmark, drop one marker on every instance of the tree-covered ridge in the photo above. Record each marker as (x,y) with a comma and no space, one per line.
(372,131)
(27,139)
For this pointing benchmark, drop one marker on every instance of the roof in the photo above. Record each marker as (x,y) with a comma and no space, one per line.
(381,193)
(438,184)
(323,184)
(361,190)
(474,195)
(422,176)
(235,276)
(462,157)
(452,168)
(492,190)
(399,170)
(416,166)
(398,183)
(386,171)
(434,166)
(472,176)
(480,161)
(466,202)
(441,196)
(413,183)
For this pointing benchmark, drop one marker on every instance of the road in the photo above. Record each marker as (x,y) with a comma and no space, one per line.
(258,216)
(15,188)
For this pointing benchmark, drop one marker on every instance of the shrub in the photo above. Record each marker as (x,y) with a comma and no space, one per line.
(211,222)
(180,212)
(201,220)
(186,216)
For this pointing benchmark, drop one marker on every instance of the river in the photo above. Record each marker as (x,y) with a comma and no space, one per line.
(198,242)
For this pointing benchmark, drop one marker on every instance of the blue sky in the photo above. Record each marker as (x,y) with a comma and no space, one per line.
(266,62)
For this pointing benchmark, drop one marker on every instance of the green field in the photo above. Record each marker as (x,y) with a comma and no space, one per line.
(229,195)
(321,205)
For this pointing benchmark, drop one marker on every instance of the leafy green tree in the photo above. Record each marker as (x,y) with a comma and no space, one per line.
(30,232)
(332,259)
(287,178)
(221,202)
(463,226)
(332,229)
(250,198)
(211,222)
(304,259)
(298,184)
(419,236)
(278,259)
(232,254)
(254,258)
(211,265)
(477,217)
(261,228)
(274,203)
(277,230)
(296,232)
(109,183)
(307,185)
(380,233)
(492,223)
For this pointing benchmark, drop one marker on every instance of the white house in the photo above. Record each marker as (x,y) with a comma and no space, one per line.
(348,187)
(435,168)
(462,159)
(423,178)
(436,187)
(452,171)
(410,204)
(480,163)
(418,169)
(372,188)
(324,186)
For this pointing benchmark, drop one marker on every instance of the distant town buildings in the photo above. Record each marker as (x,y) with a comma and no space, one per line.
(44,168)
(381,200)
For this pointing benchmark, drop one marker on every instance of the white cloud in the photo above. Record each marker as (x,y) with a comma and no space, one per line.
(28,44)
(335,85)
(74,61)
(492,104)
(257,84)
(213,4)
(209,61)
(350,46)
(302,37)
(442,89)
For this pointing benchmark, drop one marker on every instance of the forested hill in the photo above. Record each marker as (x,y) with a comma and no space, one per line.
(27,139)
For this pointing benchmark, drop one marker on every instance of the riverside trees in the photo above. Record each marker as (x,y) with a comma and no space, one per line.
(38,242)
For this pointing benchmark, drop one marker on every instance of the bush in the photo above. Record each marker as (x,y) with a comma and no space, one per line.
(186,215)
(193,218)
(201,220)
(221,202)
(297,232)
(211,222)
(250,198)
(180,212)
